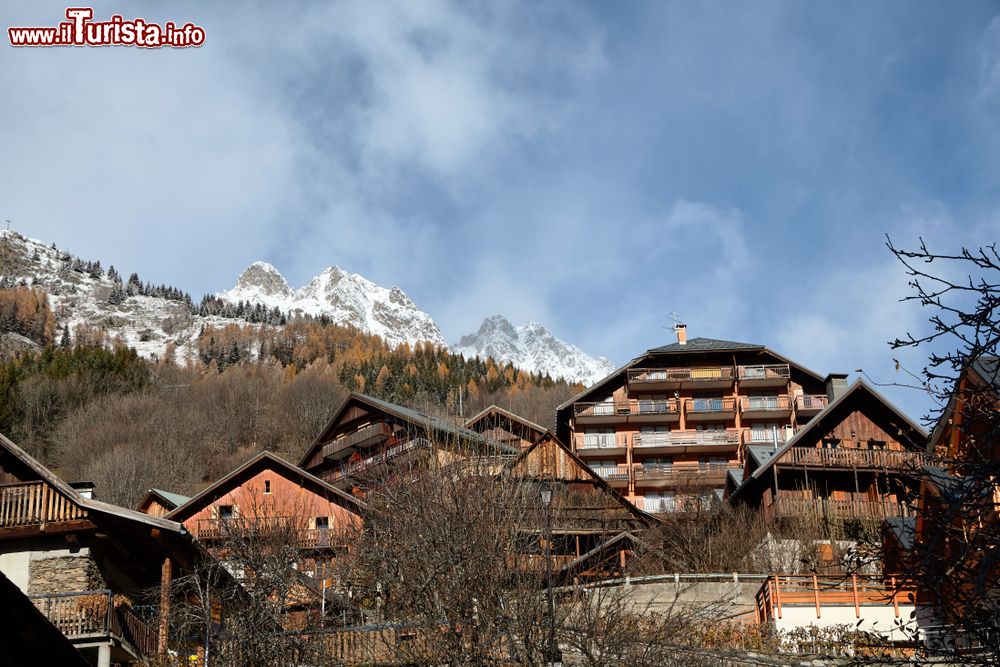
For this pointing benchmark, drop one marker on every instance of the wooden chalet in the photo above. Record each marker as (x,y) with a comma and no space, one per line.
(588,517)
(268,496)
(369,440)
(85,564)
(158,502)
(859,458)
(503,426)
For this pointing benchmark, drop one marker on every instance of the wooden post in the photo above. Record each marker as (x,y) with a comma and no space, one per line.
(895,602)
(854,590)
(165,578)
(816,594)
(777,593)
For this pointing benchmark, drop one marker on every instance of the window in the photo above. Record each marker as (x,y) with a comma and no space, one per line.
(267,486)
(322,523)
(225,512)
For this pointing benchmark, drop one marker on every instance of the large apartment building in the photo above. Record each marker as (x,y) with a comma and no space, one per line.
(666,428)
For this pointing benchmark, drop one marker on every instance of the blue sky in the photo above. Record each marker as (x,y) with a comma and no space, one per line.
(592,166)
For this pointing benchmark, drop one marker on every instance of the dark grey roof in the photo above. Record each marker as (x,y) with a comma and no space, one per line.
(705,345)
(760,453)
(736,474)
(417,417)
(905,530)
(988,368)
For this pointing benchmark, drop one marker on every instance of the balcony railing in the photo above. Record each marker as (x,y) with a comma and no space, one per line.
(709,405)
(376,459)
(612,472)
(686,439)
(860,592)
(290,529)
(643,407)
(34,503)
(680,473)
(676,503)
(764,372)
(849,457)
(826,507)
(759,436)
(602,440)
(363,437)
(96,614)
(680,375)
(811,402)
(776,404)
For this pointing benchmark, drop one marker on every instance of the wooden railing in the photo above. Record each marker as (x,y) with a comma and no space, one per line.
(660,375)
(709,405)
(680,473)
(686,439)
(753,436)
(97,614)
(849,457)
(810,402)
(35,503)
(284,527)
(765,403)
(612,473)
(846,509)
(764,372)
(811,590)
(649,407)
(363,437)
(601,440)
(376,459)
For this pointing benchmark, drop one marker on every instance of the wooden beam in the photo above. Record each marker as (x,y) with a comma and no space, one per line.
(56,528)
(165,578)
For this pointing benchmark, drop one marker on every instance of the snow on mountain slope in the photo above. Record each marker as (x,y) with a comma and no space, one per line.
(532,347)
(344,297)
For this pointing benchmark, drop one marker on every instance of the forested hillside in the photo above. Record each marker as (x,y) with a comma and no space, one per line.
(103,413)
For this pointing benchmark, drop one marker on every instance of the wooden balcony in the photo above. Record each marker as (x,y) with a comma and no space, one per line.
(765,375)
(865,594)
(594,444)
(765,407)
(365,437)
(95,616)
(616,475)
(675,475)
(662,411)
(663,379)
(852,458)
(710,409)
(35,504)
(773,437)
(811,404)
(835,509)
(374,460)
(692,441)
(285,528)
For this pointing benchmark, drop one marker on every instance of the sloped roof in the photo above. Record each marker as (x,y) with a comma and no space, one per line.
(406,414)
(904,529)
(232,480)
(506,414)
(588,474)
(766,458)
(612,545)
(165,498)
(704,345)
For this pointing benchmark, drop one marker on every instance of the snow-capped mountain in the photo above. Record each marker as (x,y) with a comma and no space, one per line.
(532,347)
(344,297)
(85,296)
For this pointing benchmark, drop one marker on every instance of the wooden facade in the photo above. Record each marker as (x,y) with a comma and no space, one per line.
(85,564)
(158,502)
(858,459)
(666,429)
(269,496)
(503,426)
(587,515)
(369,440)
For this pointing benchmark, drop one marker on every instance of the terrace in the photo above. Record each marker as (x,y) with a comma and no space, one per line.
(708,440)
(366,436)
(710,409)
(811,404)
(633,411)
(656,379)
(764,375)
(853,458)
(35,504)
(285,528)
(99,616)
(832,508)
(766,407)
(708,474)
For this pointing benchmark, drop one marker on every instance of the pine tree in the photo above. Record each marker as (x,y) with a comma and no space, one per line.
(65,340)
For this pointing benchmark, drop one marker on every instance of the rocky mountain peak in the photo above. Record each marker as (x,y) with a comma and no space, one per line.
(264,277)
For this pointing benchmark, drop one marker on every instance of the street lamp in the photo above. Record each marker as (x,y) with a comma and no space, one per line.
(551,654)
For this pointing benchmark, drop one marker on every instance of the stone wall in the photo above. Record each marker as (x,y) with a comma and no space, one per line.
(64,574)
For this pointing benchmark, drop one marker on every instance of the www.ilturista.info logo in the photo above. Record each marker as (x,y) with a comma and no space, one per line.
(80,30)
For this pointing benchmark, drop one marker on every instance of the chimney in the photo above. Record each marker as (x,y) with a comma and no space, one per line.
(682,334)
(85,489)
(836,385)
